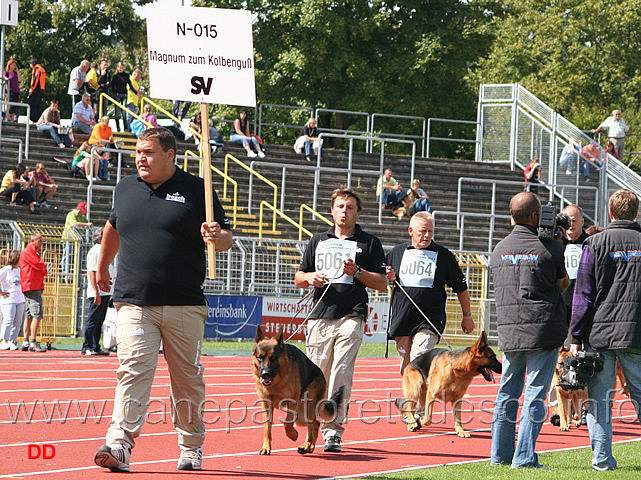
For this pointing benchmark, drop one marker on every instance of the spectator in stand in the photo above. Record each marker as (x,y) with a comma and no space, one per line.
(81,163)
(119,84)
(310,132)
(422,202)
(77,82)
(49,122)
(388,190)
(569,156)
(611,149)
(134,94)
(91,84)
(240,134)
(98,302)
(12,74)
(149,117)
(617,129)
(591,158)
(17,189)
(176,112)
(11,302)
(83,118)
(33,271)
(45,186)
(532,175)
(104,85)
(36,88)
(75,218)
(102,136)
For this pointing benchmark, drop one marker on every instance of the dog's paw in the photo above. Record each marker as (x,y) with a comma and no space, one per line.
(564,428)
(305,448)
(414,426)
(426,421)
(264,451)
(462,433)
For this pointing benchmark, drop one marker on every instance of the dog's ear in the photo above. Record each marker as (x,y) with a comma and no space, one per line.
(481,343)
(259,334)
(279,338)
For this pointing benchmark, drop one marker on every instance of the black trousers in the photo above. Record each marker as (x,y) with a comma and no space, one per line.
(96,318)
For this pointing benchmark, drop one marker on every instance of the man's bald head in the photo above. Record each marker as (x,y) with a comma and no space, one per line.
(522,206)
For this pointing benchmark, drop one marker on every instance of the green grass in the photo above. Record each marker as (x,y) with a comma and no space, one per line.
(568,465)
(244,348)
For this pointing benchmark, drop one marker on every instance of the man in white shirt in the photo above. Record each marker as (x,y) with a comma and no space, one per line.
(617,129)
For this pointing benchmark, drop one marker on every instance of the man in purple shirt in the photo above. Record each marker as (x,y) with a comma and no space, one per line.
(606,316)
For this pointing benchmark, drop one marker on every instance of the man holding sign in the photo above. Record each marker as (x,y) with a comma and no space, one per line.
(340,263)
(423,268)
(158,225)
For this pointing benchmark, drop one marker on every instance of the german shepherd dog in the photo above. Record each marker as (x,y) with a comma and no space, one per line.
(445,375)
(406,204)
(288,380)
(570,403)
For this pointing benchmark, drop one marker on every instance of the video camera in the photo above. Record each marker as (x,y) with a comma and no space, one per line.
(551,222)
(577,370)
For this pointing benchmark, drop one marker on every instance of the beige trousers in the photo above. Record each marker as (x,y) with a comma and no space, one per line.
(333,345)
(410,347)
(139,333)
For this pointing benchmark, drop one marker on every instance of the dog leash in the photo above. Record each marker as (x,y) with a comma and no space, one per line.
(422,313)
(304,322)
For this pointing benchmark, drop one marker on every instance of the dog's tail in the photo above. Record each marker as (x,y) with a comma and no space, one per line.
(328,408)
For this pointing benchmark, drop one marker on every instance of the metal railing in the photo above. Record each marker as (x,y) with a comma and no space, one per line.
(304,207)
(227,178)
(421,137)
(26,125)
(252,173)
(261,124)
(170,115)
(117,104)
(342,130)
(14,140)
(276,211)
(446,139)
(460,216)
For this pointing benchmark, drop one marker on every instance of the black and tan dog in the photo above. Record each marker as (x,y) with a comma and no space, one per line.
(443,375)
(405,205)
(288,380)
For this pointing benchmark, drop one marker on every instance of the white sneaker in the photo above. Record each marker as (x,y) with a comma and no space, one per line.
(251,154)
(568,172)
(4,345)
(13,345)
(191,459)
(114,458)
(261,154)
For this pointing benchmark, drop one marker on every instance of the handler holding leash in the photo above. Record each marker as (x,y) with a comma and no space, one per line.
(353,259)
(158,225)
(529,276)
(424,269)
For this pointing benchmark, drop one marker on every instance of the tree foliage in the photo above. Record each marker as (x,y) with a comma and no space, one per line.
(580,57)
(61,33)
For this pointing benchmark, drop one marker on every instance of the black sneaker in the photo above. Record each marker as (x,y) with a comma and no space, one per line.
(584,417)
(332,444)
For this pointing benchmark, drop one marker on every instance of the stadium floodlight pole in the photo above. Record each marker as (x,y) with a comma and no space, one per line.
(205,151)
(422,313)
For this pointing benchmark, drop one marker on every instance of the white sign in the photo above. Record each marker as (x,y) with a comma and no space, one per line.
(9,12)
(330,255)
(201,55)
(573,254)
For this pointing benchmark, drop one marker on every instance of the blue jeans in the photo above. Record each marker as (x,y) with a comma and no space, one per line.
(103,169)
(540,366)
(420,205)
(245,140)
(390,197)
(53,131)
(309,146)
(129,117)
(83,127)
(568,162)
(600,393)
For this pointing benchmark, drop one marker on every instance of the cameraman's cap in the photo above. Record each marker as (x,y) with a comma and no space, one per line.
(82,206)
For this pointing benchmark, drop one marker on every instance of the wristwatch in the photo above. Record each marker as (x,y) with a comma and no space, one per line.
(467,314)
(358,272)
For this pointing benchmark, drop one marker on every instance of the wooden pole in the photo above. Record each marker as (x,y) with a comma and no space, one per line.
(205,151)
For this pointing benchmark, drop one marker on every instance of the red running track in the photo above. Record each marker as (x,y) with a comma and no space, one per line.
(63,399)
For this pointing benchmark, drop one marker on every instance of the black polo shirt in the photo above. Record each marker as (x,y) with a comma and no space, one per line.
(405,319)
(162,253)
(345,298)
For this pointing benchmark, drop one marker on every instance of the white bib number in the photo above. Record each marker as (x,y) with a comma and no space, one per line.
(418,268)
(330,255)
(573,254)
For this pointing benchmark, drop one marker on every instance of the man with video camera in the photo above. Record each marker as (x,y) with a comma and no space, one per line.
(529,275)
(606,316)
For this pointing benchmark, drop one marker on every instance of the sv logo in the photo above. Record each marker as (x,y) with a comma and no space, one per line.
(199,85)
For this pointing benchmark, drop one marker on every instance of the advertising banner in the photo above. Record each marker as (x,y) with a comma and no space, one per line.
(233,316)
